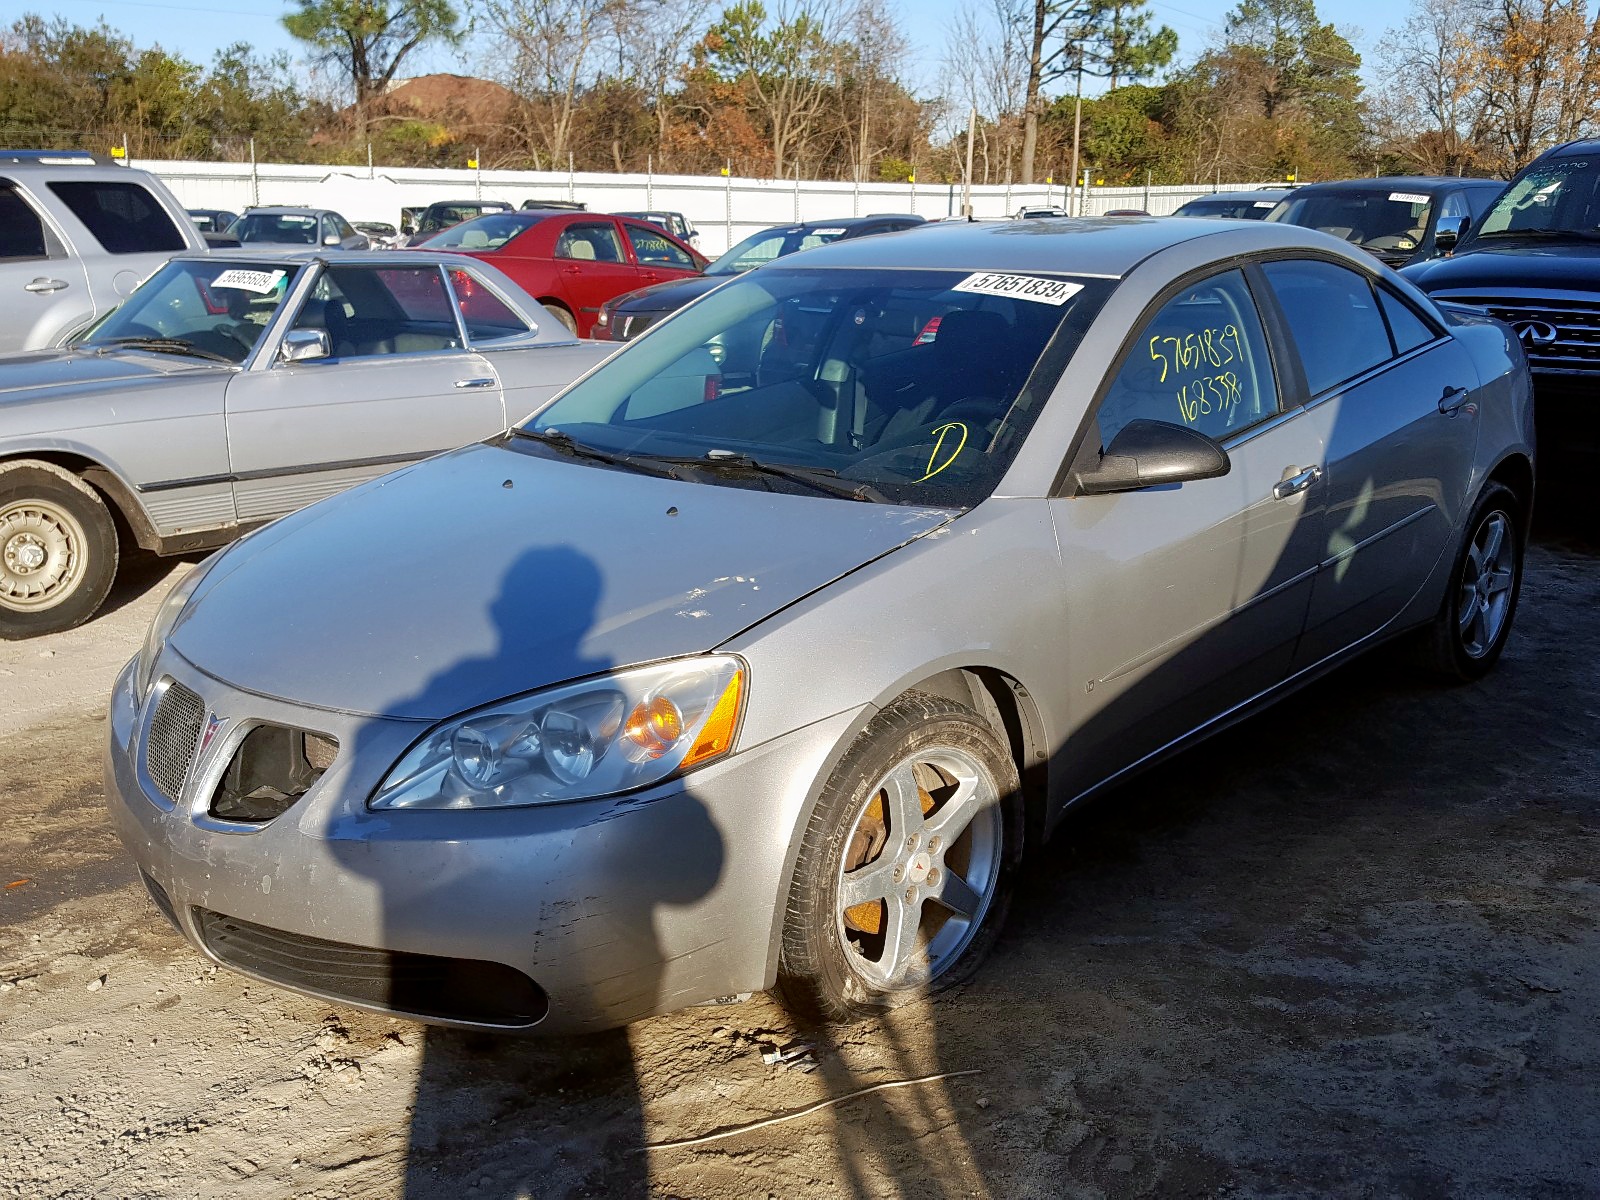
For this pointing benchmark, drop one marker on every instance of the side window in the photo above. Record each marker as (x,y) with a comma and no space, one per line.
(592,243)
(371,311)
(486,316)
(1455,205)
(651,249)
(1406,328)
(1201,362)
(343,226)
(21,230)
(1333,318)
(124,217)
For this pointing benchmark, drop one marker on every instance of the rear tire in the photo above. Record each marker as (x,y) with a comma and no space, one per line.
(1467,636)
(561,314)
(921,826)
(58,550)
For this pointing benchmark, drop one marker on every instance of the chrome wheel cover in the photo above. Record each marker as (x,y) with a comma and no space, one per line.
(1487,577)
(920,868)
(42,550)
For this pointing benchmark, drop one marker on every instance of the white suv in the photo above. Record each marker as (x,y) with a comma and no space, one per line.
(77,234)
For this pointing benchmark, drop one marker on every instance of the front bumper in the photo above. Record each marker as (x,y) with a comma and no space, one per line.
(614,909)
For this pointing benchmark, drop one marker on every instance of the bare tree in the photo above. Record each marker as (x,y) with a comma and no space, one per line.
(986,67)
(551,50)
(653,38)
(1429,108)
(1541,75)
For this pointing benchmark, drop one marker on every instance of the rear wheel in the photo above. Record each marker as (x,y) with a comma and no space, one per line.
(562,315)
(1472,626)
(907,864)
(58,550)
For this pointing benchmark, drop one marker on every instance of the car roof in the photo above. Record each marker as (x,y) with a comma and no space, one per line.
(1103,246)
(1247,194)
(471,204)
(1570,149)
(311,254)
(285,210)
(1411,183)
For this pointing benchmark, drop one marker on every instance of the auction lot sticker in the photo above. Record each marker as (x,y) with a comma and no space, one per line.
(261,282)
(1019,287)
(1408,198)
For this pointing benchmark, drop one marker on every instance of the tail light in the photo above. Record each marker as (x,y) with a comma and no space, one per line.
(929,332)
(713,388)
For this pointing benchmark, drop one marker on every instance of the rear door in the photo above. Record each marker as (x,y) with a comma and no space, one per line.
(400,386)
(129,232)
(44,289)
(1395,394)
(593,265)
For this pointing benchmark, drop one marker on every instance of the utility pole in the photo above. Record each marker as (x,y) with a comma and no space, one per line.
(1077,126)
(966,182)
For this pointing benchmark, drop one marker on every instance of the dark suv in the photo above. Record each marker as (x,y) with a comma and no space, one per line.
(1534,262)
(1394,217)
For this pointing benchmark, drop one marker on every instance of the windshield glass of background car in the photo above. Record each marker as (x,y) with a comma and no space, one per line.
(1377,220)
(763,247)
(221,307)
(482,233)
(293,229)
(919,383)
(1553,196)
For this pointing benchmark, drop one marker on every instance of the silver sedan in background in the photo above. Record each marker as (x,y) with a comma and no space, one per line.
(234,387)
(761,655)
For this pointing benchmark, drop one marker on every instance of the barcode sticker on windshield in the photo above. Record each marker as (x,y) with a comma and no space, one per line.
(1408,198)
(260,282)
(828,232)
(1265,204)
(1019,287)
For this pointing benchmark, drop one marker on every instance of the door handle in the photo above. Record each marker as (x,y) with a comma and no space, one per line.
(474,383)
(572,270)
(42,284)
(1453,400)
(1296,483)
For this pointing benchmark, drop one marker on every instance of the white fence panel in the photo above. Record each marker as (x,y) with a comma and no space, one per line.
(723,209)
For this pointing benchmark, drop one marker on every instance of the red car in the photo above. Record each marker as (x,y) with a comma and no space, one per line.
(572,262)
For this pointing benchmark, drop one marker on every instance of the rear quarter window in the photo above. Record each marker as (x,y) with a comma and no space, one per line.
(124,218)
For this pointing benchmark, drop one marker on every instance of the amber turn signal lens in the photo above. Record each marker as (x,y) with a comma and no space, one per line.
(654,726)
(716,735)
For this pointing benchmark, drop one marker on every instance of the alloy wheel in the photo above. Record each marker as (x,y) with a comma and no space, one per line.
(1487,576)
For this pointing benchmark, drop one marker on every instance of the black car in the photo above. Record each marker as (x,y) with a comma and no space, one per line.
(1236,206)
(1533,261)
(1392,217)
(627,316)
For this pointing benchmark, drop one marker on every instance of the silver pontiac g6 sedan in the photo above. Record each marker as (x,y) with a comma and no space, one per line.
(761,654)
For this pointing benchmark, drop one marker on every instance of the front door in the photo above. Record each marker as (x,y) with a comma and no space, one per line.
(1392,391)
(1187,600)
(398,387)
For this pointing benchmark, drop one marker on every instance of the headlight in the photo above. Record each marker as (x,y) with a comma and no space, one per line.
(166,617)
(621,731)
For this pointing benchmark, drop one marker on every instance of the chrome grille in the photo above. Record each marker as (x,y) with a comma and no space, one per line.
(1576,348)
(174,733)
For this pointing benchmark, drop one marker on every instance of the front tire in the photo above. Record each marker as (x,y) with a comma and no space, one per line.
(907,865)
(1465,639)
(58,550)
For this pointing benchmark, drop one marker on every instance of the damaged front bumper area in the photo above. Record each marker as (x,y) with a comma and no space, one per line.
(259,847)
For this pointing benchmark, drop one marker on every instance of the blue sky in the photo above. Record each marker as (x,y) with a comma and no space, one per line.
(197,31)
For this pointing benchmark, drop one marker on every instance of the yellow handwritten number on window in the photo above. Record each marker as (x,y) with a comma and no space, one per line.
(943,433)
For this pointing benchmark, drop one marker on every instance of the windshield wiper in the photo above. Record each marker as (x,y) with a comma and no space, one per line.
(163,345)
(818,479)
(564,442)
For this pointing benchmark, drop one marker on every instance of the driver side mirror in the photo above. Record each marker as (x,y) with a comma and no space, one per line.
(1145,453)
(333,239)
(1449,233)
(304,345)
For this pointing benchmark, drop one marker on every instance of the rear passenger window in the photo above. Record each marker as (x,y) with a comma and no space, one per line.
(21,230)
(1202,363)
(1408,330)
(123,217)
(1334,319)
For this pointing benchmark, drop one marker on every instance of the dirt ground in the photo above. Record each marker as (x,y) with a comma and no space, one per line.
(1351,948)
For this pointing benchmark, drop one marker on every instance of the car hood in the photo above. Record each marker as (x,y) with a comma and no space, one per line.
(23,376)
(491,571)
(1563,265)
(672,294)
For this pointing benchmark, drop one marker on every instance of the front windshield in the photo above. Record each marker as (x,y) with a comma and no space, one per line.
(216,308)
(454,214)
(482,233)
(918,384)
(769,244)
(1376,219)
(1552,197)
(278,229)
